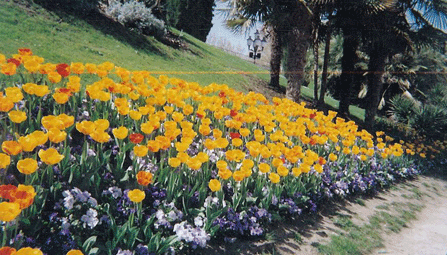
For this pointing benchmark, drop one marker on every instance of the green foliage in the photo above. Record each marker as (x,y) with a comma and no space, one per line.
(402,108)
(192,16)
(430,120)
(81,7)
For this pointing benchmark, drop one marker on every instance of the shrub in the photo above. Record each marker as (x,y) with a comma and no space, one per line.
(71,6)
(402,108)
(430,120)
(136,15)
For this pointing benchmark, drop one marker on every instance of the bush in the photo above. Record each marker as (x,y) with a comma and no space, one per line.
(426,119)
(430,120)
(81,7)
(136,15)
(402,108)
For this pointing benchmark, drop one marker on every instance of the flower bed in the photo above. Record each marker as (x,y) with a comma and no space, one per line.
(101,160)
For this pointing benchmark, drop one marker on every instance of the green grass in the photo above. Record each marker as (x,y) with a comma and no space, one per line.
(359,240)
(417,194)
(297,237)
(383,207)
(59,37)
(360,201)
(356,112)
(364,239)
(64,38)
(344,222)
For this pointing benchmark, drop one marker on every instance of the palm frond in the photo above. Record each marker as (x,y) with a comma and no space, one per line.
(434,12)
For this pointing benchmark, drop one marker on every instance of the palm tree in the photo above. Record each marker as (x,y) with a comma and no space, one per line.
(349,16)
(380,26)
(324,75)
(391,33)
(388,35)
(276,39)
(289,19)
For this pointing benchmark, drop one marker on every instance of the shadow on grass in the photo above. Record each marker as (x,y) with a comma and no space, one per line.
(285,236)
(106,26)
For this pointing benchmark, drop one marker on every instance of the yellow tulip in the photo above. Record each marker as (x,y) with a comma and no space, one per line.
(318,168)
(27,166)
(274,177)
(77,68)
(86,127)
(52,121)
(38,137)
(238,175)
(236,142)
(101,124)
(61,98)
(56,136)
(29,88)
(282,171)
(214,185)
(17,116)
(75,252)
(11,147)
(67,120)
(6,104)
(136,195)
(8,68)
(221,142)
(296,171)
(225,173)
(54,77)
(203,157)
(174,162)
(14,93)
(41,90)
(264,168)
(135,115)
(140,150)
(120,133)
(194,163)
(50,156)
(9,211)
(5,160)
(100,136)
(147,127)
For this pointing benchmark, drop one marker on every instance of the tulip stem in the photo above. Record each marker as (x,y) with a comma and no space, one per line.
(4,236)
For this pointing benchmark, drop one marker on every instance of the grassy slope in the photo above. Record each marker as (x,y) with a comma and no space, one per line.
(63,38)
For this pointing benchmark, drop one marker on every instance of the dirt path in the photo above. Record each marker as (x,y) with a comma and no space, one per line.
(424,233)
(428,234)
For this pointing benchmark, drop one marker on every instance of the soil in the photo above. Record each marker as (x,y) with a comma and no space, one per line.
(427,234)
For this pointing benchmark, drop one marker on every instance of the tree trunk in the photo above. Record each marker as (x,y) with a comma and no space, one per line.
(276,56)
(324,75)
(376,68)
(316,57)
(350,44)
(299,38)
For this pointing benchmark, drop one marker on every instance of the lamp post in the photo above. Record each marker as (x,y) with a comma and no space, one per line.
(255,46)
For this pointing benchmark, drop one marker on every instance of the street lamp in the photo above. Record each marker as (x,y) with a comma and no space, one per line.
(255,46)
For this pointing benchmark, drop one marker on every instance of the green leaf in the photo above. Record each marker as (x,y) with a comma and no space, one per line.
(121,231)
(87,245)
(93,251)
